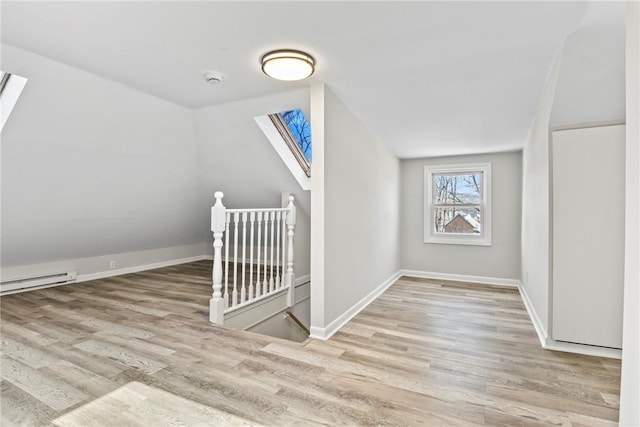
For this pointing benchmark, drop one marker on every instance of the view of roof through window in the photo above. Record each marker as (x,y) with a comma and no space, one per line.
(457,202)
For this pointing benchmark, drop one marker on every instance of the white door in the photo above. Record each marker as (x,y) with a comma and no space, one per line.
(588,235)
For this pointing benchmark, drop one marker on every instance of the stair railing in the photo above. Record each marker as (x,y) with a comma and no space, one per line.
(259,261)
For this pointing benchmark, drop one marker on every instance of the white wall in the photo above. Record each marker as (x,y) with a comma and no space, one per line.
(235,157)
(590,84)
(361,213)
(535,208)
(630,386)
(92,167)
(94,171)
(501,260)
(317,110)
(584,88)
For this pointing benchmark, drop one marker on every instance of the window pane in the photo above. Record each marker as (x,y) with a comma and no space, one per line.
(457,220)
(457,189)
(300,129)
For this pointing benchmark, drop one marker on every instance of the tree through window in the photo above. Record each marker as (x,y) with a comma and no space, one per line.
(300,129)
(296,132)
(457,206)
(457,197)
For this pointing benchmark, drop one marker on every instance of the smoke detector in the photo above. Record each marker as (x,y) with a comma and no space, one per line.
(213,77)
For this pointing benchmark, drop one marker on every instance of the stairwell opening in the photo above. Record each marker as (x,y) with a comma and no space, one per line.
(282,325)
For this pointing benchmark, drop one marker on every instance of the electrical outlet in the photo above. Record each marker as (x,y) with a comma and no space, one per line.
(112,265)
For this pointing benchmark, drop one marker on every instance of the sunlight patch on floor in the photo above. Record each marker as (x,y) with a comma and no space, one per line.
(137,404)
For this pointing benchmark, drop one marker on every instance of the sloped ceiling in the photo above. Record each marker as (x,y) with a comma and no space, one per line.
(428,78)
(591,82)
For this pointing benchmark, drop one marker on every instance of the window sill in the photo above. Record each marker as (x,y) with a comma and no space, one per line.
(458,240)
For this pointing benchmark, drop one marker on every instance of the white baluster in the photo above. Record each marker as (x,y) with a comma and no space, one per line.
(283,231)
(226,260)
(271,223)
(243,292)
(265,283)
(278,228)
(216,303)
(258,283)
(252,219)
(291,223)
(236,219)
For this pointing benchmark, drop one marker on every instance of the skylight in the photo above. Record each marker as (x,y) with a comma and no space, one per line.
(289,132)
(296,132)
(4,78)
(300,129)
(10,89)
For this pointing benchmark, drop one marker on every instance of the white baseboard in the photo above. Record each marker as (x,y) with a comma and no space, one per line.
(333,327)
(550,344)
(537,324)
(512,283)
(137,268)
(91,268)
(588,350)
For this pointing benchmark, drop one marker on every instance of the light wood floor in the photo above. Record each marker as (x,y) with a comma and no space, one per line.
(139,350)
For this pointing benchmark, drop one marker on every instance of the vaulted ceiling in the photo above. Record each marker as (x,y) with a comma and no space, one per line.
(428,78)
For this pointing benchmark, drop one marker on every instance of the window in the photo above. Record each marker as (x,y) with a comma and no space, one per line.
(4,78)
(289,132)
(300,129)
(457,204)
(10,89)
(296,132)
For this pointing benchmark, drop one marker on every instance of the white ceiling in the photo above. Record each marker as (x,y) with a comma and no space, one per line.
(428,78)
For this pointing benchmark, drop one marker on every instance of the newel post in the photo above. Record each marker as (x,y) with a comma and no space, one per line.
(216,303)
(289,276)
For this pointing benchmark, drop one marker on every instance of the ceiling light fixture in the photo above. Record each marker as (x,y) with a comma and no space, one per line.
(289,65)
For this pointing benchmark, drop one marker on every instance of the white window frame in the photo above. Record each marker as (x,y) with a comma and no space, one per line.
(283,150)
(430,234)
(280,124)
(10,89)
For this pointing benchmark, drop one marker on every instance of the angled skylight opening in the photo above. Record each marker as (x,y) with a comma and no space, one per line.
(4,78)
(300,129)
(289,133)
(294,128)
(10,89)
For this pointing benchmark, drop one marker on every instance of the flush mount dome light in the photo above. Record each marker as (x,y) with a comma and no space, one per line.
(288,64)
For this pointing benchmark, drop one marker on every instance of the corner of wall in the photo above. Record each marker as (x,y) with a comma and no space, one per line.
(317,267)
(630,384)
(536,231)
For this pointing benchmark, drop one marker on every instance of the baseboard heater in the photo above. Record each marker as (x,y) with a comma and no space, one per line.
(12,286)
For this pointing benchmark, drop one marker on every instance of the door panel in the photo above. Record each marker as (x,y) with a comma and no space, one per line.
(588,235)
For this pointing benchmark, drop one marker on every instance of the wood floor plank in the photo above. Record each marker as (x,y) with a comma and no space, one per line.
(48,389)
(140,405)
(19,408)
(112,328)
(121,354)
(17,331)
(138,350)
(24,353)
(83,379)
